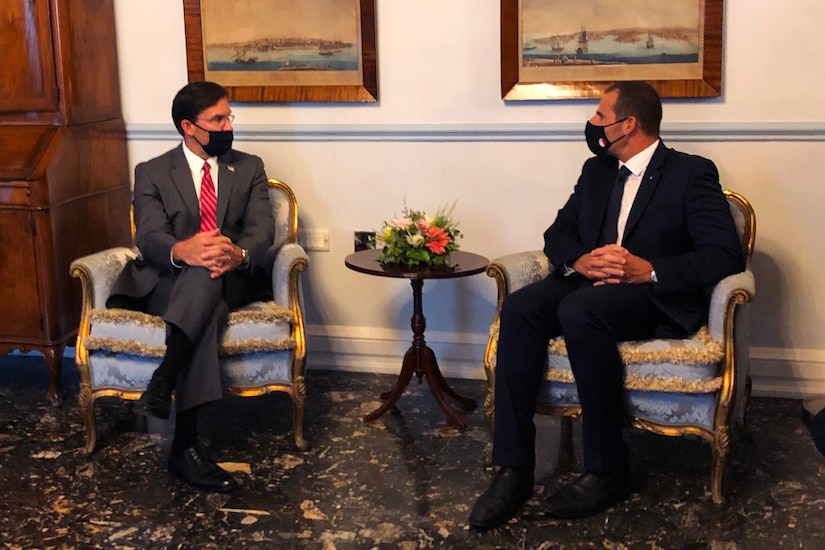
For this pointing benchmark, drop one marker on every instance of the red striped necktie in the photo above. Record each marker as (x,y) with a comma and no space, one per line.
(209,201)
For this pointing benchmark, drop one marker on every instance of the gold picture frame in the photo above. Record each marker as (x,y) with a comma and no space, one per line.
(547,50)
(284,50)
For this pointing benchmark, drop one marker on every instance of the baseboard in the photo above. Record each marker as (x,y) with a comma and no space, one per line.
(776,372)
(786,372)
(378,350)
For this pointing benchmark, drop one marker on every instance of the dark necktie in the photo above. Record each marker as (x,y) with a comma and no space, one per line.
(610,226)
(209,201)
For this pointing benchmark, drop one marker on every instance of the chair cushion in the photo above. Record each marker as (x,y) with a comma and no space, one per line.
(260,326)
(683,365)
(125,347)
(658,407)
(670,382)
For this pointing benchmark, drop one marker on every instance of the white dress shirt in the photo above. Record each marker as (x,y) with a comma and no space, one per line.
(196,167)
(637,164)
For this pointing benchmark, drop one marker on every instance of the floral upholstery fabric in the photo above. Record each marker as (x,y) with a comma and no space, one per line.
(524,268)
(668,409)
(126,346)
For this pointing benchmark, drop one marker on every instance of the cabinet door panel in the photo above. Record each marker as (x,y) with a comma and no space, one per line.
(27,71)
(19,303)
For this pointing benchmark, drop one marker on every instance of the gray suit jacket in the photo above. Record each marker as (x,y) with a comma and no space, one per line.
(167,211)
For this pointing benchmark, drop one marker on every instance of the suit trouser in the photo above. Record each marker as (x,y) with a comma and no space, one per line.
(197,305)
(592,320)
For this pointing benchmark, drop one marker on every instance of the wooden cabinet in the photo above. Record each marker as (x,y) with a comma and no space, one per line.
(64,181)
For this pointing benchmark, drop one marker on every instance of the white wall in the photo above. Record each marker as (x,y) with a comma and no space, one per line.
(441,133)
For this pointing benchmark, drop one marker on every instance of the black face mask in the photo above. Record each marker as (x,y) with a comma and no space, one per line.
(220,141)
(596,137)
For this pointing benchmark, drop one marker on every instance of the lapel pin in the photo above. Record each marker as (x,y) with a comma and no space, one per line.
(231,168)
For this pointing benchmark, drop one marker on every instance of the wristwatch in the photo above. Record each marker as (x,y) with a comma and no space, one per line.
(244,258)
(653,278)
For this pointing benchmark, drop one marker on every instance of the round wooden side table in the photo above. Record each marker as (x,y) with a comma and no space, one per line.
(420,359)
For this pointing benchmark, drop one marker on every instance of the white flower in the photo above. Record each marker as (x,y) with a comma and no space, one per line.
(415,240)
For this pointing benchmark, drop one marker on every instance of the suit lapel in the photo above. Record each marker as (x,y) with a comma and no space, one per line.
(649,181)
(182,178)
(597,201)
(226,181)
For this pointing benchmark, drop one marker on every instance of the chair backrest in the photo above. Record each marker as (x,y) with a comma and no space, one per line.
(284,211)
(745,220)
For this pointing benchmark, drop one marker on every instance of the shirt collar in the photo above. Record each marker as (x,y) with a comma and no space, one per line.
(637,164)
(196,163)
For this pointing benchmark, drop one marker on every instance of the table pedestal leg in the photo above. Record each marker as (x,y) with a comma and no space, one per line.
(420,360)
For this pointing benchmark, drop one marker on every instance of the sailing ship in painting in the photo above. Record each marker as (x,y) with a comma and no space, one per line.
(582,45)
(242,56)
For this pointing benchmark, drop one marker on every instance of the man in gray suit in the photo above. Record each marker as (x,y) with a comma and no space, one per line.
(203,227)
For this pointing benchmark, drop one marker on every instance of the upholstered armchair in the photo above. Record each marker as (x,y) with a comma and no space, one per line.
(693,386)
(263,348)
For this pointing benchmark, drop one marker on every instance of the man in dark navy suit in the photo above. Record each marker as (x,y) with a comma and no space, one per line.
(637,248)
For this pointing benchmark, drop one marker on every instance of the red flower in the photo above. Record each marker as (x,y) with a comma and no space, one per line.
(438,239)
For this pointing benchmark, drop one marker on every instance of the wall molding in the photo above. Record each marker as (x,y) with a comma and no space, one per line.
(497,132)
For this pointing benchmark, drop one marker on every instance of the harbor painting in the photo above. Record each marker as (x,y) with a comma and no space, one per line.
(631,32)
(283,43)
(597,41)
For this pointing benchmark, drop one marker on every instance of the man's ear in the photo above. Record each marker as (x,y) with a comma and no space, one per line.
(631,124)
(187,127)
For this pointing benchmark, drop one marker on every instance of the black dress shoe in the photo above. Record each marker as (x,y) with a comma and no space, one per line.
(200,472)
(156,399)
(509,490)
(589,495)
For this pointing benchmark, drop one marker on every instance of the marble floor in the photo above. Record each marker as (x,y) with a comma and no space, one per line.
(406,481)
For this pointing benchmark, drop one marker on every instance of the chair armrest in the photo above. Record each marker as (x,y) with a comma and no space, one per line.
(290,260)
(731,291)
(98,272)
(518,270)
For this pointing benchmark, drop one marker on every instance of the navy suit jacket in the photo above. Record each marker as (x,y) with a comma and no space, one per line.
(680,222)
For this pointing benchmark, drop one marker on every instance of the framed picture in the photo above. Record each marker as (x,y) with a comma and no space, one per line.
(557,49)
(284,50)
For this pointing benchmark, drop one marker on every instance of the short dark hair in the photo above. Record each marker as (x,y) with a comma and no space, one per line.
(638,99)
(195,98)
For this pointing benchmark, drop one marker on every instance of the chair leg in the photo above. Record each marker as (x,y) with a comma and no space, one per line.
(567,454)
(91,429)
(741,411)
(490,410)
(299,395)
(721,445)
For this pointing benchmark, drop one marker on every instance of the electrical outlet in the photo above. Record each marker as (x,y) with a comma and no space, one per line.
(314,239)
(364,240)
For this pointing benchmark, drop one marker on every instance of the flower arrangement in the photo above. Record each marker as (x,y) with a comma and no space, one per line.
(416,239)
